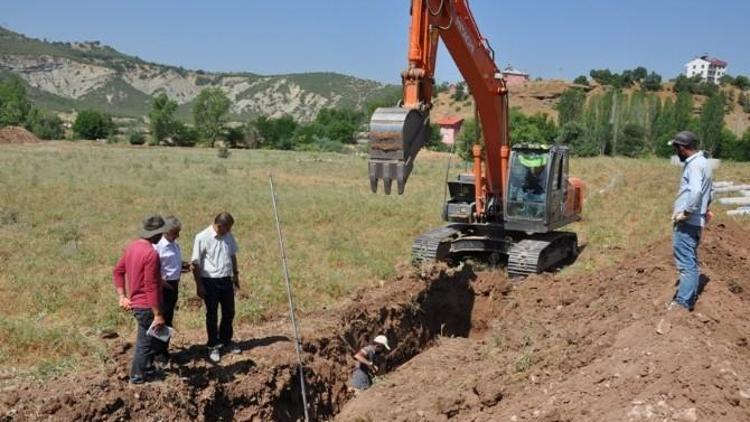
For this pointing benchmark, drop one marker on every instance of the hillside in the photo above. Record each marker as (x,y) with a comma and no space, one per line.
(66,76)
(542,97)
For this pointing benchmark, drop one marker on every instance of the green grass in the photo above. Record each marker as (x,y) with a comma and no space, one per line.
(68,209)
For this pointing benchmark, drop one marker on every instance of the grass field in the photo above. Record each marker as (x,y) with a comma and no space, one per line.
(67,210)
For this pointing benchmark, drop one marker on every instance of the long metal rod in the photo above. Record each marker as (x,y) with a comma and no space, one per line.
(284,265)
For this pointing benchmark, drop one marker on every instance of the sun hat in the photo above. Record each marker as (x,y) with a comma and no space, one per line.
(153,225)
(382,340)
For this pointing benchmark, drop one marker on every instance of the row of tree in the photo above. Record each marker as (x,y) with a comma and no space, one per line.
(618,123)
(640,123)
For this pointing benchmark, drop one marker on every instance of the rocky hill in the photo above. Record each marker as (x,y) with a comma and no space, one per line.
(72,76)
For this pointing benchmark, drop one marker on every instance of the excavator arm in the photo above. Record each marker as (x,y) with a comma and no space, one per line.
(398,133)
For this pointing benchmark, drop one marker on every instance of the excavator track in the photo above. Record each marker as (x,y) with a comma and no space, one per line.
(434,245)
(531,256)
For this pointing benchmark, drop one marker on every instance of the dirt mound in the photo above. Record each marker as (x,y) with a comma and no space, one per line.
(16,135)
(587,349)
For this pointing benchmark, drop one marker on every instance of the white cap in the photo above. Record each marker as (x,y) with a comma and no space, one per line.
(382,340)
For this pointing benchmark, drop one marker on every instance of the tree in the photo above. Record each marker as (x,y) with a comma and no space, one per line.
(742,82)
(602,76)
(711,124)
(682,117)
(469,135)
(726,80)
(581,80)
(14,106)
(571,104)
(338,125)
(740,147)
(91,124)
(639,73)
(573,134)
(538,128)
(652,82)
(664,129)
(435,140)
(460,93)
(161,118)
(44,125)
(276,133)
(632,141)
(744,101)
(234,136)
(185,135)
(210,113)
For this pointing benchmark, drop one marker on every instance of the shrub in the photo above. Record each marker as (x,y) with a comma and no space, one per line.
(185,135)
(652,82)
(91,124)
(44,125)
(136,137)
(581,80)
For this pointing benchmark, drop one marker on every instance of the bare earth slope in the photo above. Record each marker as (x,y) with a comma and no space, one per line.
(586,349)
(468,346)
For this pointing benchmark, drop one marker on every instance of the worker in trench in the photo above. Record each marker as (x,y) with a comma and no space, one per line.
(365,369)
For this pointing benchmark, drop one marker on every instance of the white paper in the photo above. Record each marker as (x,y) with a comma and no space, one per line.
(163,334)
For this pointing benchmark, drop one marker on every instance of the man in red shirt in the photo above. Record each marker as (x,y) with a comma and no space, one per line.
(137,278)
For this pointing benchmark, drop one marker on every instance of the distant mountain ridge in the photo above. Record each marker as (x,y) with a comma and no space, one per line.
(66,76)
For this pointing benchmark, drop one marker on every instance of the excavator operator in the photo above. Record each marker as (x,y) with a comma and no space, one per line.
(527,188)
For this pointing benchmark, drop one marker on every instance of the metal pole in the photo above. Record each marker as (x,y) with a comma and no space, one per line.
(291,300)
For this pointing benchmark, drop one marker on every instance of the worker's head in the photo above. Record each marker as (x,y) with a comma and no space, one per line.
(174,226)
(381,343)
(534,163)
(223,223)
(685,144)
(153,228)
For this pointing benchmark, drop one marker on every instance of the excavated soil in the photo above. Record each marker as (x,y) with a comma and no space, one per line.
(467,346)
(17,135)
(586,349)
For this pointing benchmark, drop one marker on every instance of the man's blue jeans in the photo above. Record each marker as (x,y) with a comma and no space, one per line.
(685,240)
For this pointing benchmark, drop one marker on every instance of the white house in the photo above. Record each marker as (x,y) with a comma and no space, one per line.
(708,68)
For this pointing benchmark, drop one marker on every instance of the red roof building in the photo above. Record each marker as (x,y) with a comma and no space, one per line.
(449,128)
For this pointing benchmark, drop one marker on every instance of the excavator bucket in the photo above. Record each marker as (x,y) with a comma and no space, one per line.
(396,136)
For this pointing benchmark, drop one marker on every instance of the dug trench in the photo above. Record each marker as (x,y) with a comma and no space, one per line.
(412,310)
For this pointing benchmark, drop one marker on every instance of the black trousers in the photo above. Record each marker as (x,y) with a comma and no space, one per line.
(169,297)
(145,345)
(219,292)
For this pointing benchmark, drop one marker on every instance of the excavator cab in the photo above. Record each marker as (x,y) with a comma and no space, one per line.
(539,195)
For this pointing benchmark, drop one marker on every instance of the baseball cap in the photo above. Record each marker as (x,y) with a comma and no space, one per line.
(685,138)
(382,340)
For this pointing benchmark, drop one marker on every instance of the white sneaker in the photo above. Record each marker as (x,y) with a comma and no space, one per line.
(235,348)
(214,354)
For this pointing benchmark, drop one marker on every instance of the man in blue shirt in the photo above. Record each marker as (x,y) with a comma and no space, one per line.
(690,214)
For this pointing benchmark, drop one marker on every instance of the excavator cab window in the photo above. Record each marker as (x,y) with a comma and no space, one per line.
(527,186)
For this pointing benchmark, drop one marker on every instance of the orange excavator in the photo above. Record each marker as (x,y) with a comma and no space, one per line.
(511,205)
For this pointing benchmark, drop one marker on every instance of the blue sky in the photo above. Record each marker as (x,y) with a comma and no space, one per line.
(551,39)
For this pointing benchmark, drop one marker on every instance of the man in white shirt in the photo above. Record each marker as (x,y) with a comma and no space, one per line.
(216,277)
(170,258)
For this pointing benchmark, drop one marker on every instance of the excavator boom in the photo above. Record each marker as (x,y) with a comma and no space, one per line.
(398,133)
